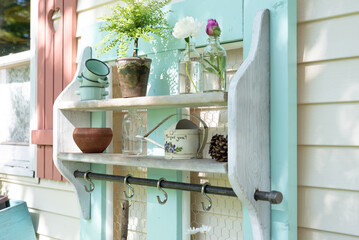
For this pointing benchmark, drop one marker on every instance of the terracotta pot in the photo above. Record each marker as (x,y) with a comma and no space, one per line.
(133,73)
(92,140)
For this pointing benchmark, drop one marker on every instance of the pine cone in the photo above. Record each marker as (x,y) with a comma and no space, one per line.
(218,148)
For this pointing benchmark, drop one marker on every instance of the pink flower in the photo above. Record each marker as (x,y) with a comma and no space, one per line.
(212,28)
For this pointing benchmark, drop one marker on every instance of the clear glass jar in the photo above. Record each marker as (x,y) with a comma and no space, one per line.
(214,66)
(189,70)
(131,127)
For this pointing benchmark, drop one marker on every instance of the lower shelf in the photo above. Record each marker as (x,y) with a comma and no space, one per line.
(194,165)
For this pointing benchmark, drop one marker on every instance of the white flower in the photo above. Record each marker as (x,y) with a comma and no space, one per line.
(187,27)
(205,229)
(192,231)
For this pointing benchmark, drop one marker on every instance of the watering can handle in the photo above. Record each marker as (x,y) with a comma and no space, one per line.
(199,119)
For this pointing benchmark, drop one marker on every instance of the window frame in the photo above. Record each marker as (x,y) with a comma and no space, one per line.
(27,169)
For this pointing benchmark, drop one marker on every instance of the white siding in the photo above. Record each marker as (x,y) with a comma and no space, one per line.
(328,128)
(52,205)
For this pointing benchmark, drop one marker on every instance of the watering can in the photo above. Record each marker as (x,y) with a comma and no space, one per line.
(183,140)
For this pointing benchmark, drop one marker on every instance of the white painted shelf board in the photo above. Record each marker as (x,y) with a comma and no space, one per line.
(148,102)
(195,165)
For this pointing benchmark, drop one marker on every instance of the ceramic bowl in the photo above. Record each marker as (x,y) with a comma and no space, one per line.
(92,140)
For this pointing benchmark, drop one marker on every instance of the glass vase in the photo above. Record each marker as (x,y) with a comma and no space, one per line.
(189,70)
(214,66)
(132,127)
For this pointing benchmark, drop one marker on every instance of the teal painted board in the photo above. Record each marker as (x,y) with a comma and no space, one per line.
(95,228)
(283,109)
(163,78)
(228,14)
(15,222)
(164,221)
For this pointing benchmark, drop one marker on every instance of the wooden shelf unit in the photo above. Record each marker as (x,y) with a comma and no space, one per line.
(248,103)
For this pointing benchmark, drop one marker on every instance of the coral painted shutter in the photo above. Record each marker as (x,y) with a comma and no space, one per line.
(55,69)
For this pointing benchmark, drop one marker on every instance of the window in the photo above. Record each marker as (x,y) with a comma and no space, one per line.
(15,88)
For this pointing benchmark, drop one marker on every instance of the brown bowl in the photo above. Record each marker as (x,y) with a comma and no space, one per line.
(92,140)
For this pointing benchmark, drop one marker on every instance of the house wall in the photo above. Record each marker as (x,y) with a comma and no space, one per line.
(52,205)
(328,103)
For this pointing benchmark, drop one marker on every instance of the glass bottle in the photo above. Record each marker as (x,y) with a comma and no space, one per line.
(131,127)
(189,70)
(214,66)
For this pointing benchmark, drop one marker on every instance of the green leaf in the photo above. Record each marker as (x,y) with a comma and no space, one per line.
(137,19)
(212,65)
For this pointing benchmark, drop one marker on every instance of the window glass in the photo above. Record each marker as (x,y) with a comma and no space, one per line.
(14,26)
(15,104)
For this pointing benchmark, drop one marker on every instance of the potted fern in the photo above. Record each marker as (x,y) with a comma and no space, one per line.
(128,23)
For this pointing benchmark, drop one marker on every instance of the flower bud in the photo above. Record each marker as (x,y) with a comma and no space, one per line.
(212,28)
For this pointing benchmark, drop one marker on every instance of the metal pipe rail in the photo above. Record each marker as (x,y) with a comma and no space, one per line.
(273,197)
(164,184)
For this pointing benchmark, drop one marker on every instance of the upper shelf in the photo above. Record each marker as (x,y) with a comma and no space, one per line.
(195,165)
(151,102)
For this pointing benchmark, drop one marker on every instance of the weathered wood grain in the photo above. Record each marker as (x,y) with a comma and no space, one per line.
(248,128)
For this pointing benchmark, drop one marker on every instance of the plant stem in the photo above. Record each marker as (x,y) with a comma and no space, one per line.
(187,71)
(219,62)
(135,49)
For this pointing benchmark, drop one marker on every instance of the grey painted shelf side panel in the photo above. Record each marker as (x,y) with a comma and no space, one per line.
(64,125)
(248,121)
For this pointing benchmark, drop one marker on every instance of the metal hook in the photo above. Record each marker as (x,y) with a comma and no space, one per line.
(89,181)
(159,188)
(206,209)
(128,185)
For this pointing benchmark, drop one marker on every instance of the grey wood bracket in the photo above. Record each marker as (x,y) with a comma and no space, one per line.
(249,129)
(64,123)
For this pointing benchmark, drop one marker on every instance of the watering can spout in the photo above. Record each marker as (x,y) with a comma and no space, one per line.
(150,140)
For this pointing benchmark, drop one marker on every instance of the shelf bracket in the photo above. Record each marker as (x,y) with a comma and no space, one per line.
(249,129)
(64,125)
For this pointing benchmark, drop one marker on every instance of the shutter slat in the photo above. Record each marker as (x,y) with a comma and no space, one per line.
(56,65)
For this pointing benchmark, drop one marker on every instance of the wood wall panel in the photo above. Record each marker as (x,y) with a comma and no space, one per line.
(312,234)
(62,227)
(309,10)
(329,167)
(329,39)
(338,78)
(329,210)
(328,113)
(328,124)
(56,201)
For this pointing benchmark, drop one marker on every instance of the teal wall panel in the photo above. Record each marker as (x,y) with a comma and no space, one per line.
(227,12)
(163,221)
(283,110)
(95,228)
